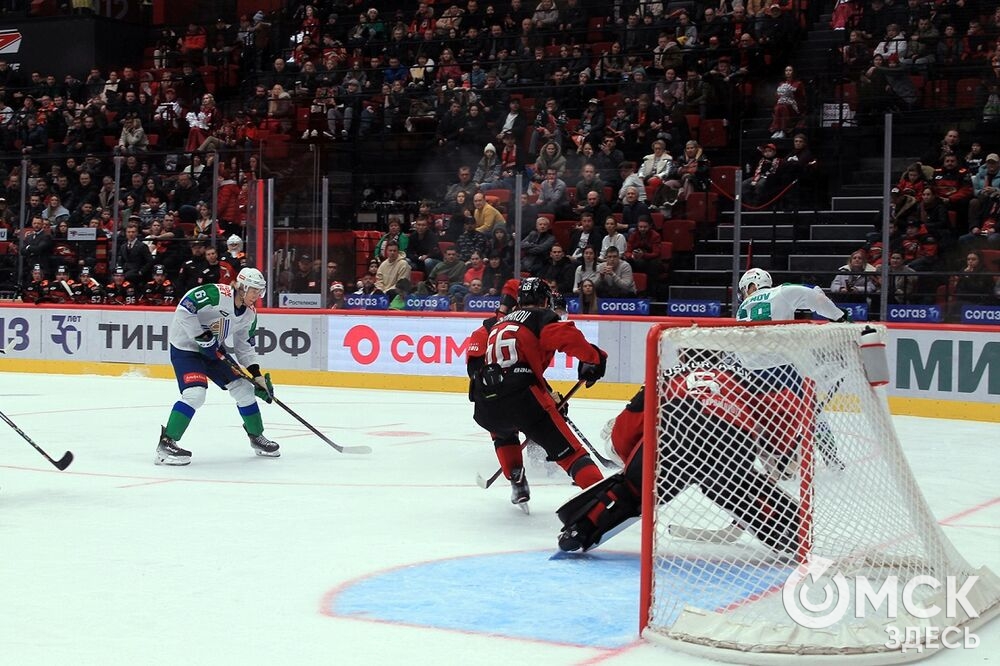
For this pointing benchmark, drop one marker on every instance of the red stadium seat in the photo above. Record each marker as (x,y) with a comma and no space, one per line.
(701,206)
(680,234)
(640,283)
(563,230)
(936,94)
(965,92)
(501,195)
(694,125)
(724,179)
(713,133)
(595,28)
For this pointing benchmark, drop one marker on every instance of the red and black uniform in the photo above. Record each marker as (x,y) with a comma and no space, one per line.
(712,421)
(238,262)
(88,290)
(158,293)
(123,293)
(510,392)
(35,291)
(60,291)
(954,186)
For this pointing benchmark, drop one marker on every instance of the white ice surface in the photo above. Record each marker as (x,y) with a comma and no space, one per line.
(234,559)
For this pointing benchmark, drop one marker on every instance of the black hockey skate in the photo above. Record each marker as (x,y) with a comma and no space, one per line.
(168,453)
(519,491)
(262,446)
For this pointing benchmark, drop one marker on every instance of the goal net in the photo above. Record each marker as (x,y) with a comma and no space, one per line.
(786,520)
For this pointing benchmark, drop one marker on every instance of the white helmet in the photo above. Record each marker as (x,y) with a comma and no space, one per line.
(755,276)
(234,240)
(251,278)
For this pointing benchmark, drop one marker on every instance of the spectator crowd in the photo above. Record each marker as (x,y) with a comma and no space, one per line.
(597,106)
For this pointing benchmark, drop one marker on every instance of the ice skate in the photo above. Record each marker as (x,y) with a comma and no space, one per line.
(262,446)
(519,491)
(168,453)
(572,539)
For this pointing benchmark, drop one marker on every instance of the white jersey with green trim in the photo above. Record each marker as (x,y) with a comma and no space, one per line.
(210,307)
(780,303)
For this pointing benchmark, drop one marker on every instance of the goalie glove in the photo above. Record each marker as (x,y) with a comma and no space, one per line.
(209,346)
(263,388)
(591,372)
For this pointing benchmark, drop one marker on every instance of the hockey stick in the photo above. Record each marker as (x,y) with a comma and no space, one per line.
(591,448)
(486,483)
(238,369)
(725,535)
(60,464)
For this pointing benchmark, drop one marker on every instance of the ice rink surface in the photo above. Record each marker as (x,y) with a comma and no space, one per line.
(396,557)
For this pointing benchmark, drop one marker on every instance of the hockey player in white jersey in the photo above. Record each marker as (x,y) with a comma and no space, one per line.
(762,302)
(209,319)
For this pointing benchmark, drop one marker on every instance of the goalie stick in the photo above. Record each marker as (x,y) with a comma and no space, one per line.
(238,369)
(60,464)
(725,535)
(486,483)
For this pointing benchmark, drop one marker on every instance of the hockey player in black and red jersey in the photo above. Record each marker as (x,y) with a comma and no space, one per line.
(87,289)
(60,290)
(235,256)
(510,393)
(36,289)
(710,438)
(120,291)
(159,290)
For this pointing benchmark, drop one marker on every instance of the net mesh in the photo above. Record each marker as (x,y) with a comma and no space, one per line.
(777,458)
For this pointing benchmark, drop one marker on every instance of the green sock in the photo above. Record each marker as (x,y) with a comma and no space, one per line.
(177,423)
(254,424)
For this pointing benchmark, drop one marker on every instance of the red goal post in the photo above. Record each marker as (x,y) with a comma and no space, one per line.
(775,459)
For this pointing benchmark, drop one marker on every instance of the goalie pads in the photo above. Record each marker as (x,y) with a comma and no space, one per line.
(718,456)
(598,512)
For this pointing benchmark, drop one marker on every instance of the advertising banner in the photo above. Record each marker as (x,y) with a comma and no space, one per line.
(141,336)
(926,314)
(694,308)
(416,346)
(623,306)
(981,314)
(948,365)
(370,302)
(859,311)
(287,300)
(482,304)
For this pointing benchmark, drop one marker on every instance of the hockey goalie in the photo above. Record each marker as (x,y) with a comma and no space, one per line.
(718,434)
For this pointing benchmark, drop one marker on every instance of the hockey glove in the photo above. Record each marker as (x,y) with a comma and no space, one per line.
(561,403)
(591,372)
(846,319)
(209,345)
(263,388)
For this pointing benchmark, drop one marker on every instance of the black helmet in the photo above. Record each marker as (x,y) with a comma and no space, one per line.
(533,291)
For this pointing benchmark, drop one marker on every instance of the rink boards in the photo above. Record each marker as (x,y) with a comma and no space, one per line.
(940,371)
